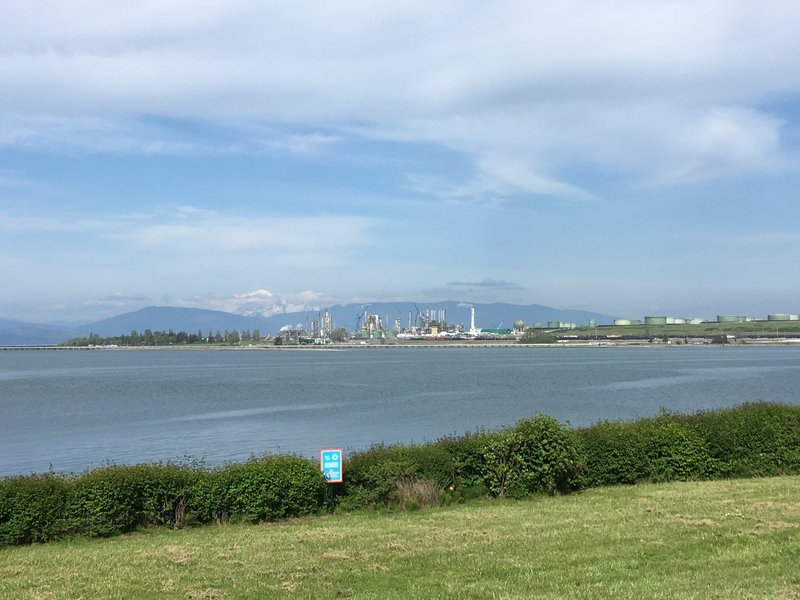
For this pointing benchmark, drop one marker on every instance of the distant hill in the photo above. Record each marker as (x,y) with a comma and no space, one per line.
(164,318)
(21,333)
(191,320)
(486,315)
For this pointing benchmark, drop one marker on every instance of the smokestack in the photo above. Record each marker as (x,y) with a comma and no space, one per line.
(472,318)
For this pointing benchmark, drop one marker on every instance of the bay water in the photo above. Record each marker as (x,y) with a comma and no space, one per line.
(69,410)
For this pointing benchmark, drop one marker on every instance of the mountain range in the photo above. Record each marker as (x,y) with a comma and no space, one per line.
(349,316)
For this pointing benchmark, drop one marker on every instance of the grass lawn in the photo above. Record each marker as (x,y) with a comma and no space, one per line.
(723,539)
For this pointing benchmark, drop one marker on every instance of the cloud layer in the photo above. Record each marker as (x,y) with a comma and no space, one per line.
(669,92)
(571,152)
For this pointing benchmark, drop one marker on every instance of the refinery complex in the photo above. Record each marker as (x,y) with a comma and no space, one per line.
(432,324)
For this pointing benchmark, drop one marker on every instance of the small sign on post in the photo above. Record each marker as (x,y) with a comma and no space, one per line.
(330,461)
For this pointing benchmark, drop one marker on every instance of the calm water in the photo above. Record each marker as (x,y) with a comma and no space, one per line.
(76,409)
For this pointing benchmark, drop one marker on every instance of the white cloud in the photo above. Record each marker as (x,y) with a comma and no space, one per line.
(259,302)
(487,283)
(726,140)
(222,240)
(11,262)
(231,232)
(663,91)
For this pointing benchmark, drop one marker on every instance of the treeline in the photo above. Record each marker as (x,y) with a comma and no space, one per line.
(168,338)
(537,455)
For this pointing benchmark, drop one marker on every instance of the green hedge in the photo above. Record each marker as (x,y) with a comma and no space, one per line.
(116,499)
(34,508)
(757,439)
(454,463)
(264,489)
(536,455)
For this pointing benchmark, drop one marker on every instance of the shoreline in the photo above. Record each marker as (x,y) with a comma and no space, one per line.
(341,347)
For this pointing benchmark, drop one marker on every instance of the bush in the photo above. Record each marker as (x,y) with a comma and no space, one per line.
(33,508)
(454,463)
(614,454)
(107,501)
(165,493)
(371,476)
(263,489)
(467,453)
(753,440)
(116,499)
(653,449)
(673,451)
(537,455)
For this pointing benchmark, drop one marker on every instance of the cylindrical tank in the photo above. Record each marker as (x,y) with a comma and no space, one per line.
(622,322)
(655,320)
(778,317)
(731,319)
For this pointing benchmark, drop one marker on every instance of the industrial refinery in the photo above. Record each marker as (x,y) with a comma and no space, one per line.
(432,324)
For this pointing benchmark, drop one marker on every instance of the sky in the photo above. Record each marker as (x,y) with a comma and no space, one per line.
(628,157)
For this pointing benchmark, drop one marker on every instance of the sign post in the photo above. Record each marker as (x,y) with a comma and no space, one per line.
(330,461)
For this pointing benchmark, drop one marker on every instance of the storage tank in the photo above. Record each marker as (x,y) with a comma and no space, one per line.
(655,320)
(622,322)
(778,317)
(731,319)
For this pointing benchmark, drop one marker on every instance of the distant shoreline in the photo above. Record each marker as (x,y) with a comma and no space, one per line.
(422,344)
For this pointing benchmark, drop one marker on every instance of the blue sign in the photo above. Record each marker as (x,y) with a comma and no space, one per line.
(330,461)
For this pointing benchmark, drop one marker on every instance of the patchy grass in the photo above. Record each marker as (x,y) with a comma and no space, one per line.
(721,539)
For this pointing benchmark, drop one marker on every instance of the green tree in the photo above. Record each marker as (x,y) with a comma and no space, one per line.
(339,335)
(531,336)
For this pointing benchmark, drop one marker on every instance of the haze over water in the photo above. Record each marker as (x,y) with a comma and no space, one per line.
(72,410)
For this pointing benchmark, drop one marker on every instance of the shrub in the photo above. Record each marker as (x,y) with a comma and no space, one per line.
(537,455)
(165,492)
(371,476)
(752,440)
(116,498)
(33,508)
(453,463)
(614,454)
(467,454)
(673,451)
(663,448)
(263,489)
(107,501)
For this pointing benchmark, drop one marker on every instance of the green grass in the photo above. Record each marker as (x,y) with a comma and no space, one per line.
(758,329)
(721,539)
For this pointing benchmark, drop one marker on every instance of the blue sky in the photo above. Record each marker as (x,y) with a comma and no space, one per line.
(629,157)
